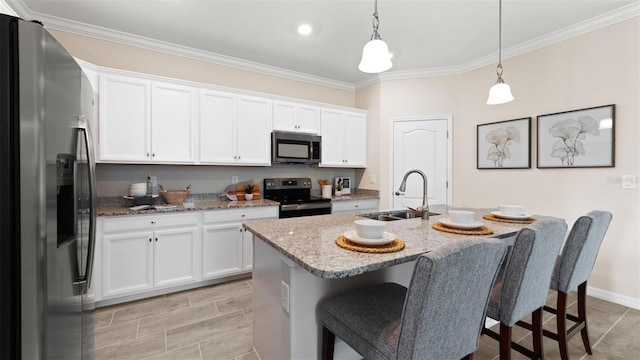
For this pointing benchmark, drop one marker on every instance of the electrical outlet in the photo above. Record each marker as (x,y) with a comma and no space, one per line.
(628,182)
(234,179)
(284,289)
(372,179)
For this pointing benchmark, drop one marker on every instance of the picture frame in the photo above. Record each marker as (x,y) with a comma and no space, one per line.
(583,138)
(504,144)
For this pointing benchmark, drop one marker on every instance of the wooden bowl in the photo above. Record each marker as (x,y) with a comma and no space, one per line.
(174,197)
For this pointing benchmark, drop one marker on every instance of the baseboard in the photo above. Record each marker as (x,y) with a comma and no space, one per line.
(614,297)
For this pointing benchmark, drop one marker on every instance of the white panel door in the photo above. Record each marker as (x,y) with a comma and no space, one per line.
(421,144)
(284,116)
(127,263)
(217,127)
(125,115)
(254,127)
(308,119)
(173,124)
(356,139)
(221,250)
(175,260)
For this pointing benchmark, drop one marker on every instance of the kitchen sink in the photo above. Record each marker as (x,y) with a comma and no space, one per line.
(394,215)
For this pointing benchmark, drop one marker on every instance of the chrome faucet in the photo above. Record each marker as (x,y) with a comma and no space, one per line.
(423,210)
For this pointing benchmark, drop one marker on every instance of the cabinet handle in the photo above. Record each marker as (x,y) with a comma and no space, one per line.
(153,154)
(243,215)
(153,222)
(238,157)
(356,205)
(147,154)
(149,239)
(156,239)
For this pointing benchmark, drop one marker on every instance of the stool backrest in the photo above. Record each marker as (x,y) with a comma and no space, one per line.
(581,249)
(529,268)
(447,299)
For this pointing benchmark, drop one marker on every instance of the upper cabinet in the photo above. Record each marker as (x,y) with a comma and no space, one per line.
(146,122)
(344,139)
(289,116)
(234,129)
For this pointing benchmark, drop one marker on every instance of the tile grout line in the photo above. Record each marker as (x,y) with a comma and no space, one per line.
(113,315)
(200,350)
(611,328)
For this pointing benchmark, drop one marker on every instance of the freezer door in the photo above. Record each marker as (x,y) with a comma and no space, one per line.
(57,199)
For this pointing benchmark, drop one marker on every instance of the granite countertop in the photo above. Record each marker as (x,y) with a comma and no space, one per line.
(118,206)
(107,209)
(310,241)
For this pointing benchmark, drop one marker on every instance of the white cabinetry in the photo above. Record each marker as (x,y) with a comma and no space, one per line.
(289,116)
(145,252)
(146,122)
(354,205)
(227,247)
(234,129)
(344,139)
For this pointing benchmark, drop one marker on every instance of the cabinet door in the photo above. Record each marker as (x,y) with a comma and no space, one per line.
(125,116)
(356,139)
(127,263)
(175,260)
(308,119)
(217,127)
(173,123)
(284,116)
(254,131)
(247,250)
(333,138)
(221,250)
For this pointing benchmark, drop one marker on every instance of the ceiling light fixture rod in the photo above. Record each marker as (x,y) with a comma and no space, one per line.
(375,54)
(499,93)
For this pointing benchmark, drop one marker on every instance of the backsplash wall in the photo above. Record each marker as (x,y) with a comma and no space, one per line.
(114,179)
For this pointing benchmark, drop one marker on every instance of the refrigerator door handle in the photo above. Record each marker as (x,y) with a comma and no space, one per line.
(83,283)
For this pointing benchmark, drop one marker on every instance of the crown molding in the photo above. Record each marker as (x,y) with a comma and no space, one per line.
(598,22)
(6,9)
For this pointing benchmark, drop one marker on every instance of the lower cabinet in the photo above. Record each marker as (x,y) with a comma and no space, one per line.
(142,252)
(227,248)
(354,205)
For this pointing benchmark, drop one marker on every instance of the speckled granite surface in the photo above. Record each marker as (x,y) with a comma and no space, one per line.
(115,207)
(310,241)
(118,205)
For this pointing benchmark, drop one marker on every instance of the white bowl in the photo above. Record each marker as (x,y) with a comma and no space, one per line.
(461,216)
(511,209)
(138,189)
(370,229)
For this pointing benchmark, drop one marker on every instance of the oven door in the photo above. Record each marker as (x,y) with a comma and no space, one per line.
(304,209)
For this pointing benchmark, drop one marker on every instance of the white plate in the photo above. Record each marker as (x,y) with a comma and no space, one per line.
(471,225)
(131,197)
(352,236)
(511,217)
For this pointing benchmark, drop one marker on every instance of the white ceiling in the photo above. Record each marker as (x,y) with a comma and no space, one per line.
(424,35)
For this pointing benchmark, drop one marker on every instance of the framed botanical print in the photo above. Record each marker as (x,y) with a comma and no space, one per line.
(504,144)
(577,138)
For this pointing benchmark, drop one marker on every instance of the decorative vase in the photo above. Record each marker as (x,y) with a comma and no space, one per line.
(248,196)
(338,192)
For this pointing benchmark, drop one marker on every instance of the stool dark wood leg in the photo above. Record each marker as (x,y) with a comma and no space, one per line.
(561,319)
(536,330)
(582,315)
(328,342)
(505,342)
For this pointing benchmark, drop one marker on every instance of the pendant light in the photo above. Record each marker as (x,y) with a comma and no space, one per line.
(499,93)
(375,54)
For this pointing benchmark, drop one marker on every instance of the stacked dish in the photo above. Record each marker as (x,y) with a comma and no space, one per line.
(511,212)
(369,232)
(461,219)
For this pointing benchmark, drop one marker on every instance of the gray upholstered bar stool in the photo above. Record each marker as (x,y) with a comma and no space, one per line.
(439,316)
(572,270)
(523,284)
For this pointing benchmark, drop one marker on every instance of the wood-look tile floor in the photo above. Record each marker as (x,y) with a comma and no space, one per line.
(215,322)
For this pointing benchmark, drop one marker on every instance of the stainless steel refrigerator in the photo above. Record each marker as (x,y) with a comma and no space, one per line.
(47,197)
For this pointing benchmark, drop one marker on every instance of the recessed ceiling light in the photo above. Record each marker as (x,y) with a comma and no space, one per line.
(304,29)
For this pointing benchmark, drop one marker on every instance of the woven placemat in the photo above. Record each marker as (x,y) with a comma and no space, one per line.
(482,230)
(395,245)
(499,219)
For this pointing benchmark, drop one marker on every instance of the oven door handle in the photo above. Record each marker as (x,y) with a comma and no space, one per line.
(292,207)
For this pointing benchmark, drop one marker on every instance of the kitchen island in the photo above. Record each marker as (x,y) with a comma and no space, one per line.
(297,265)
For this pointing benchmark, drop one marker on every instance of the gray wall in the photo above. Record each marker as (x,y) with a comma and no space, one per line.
(114,179)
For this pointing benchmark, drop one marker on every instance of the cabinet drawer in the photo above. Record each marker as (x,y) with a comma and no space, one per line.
(354,205)
(239,215)
(124,224)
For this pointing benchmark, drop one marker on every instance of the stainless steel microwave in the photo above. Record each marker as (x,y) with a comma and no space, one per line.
(295,148)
